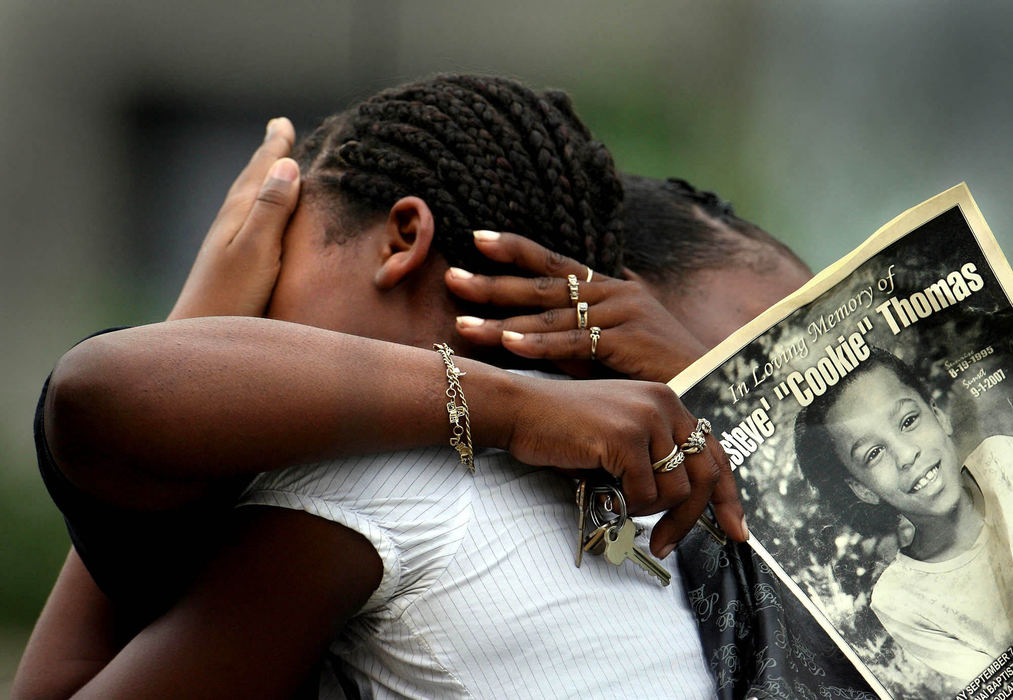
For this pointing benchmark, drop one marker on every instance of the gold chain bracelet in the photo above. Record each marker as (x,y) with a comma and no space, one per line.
(460,419)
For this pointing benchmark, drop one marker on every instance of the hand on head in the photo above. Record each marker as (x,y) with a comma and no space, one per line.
(239,260)
(639,338)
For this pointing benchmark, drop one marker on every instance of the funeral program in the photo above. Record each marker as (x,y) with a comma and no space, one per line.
(869,419)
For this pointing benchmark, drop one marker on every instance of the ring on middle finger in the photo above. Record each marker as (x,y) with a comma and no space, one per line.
(697,439)
(574,286)
(581,314)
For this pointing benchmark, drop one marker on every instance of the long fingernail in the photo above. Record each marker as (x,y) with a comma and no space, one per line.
(285,170)
(745,530)
(459,274)
(512,335)
(665,551)
(469,321)
(486,235)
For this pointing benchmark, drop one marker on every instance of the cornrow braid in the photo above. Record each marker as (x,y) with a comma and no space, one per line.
(483,153)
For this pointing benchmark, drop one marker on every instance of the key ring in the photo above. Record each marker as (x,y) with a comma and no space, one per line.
(609,492)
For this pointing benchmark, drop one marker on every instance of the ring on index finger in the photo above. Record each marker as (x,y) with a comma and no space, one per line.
(574,286)
(672,461)
(590,274)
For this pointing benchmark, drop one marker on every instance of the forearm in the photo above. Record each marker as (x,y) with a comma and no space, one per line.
(72,640)
(210,398)
(256,619)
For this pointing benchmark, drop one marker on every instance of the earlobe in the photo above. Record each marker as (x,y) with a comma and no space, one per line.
(409,234)
(863,492)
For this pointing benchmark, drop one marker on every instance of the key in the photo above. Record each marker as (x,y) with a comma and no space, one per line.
(596,542)
(581,519)
(619,546)
(713,529)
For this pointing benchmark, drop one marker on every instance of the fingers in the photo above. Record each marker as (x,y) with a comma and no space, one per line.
(275,202)
(528,255)
(278,141)
(727,506)
(702,474)
(572,344)
(639,485)
(505,290)
(711,481)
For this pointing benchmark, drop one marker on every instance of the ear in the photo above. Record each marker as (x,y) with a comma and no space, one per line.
(863,492)
(944,420)
(409,233)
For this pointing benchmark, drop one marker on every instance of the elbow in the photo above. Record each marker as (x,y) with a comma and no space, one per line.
(81,391)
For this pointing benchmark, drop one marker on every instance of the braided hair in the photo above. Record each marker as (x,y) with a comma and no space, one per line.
(483,153)
(672,228)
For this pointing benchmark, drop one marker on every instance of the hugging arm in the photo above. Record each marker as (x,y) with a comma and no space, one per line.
(180,405)
(234,272)
(257,618)
(73,639)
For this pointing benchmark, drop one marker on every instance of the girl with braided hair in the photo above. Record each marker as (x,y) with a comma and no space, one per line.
(425,570)
(484,153)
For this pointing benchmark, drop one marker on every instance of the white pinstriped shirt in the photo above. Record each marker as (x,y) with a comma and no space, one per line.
(480,596)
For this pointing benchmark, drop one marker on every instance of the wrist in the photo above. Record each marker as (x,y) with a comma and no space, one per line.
(496,397)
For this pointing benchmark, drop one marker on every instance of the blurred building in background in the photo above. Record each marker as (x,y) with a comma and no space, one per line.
(122,124)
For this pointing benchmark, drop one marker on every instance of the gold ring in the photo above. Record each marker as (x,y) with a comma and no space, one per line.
(574,285)
(595,335)
(695,443)
(697,440)
(581,314)
(590,274)
(672,461)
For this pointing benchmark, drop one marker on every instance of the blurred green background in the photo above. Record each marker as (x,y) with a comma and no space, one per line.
(122,124)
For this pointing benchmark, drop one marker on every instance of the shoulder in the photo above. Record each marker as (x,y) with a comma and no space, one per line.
(413,507)
(991,459)
(892,587)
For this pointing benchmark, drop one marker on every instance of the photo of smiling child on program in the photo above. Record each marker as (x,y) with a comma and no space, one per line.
(881,452)
(869,420)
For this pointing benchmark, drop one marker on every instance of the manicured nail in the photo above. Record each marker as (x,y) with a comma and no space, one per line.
(486,236)
(665,551)
(469,321)
(512,335)
(285,170)
(745,529)
(459,274)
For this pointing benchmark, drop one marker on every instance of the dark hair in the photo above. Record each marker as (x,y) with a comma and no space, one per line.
(484,153)
(819,461)
(671,228)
